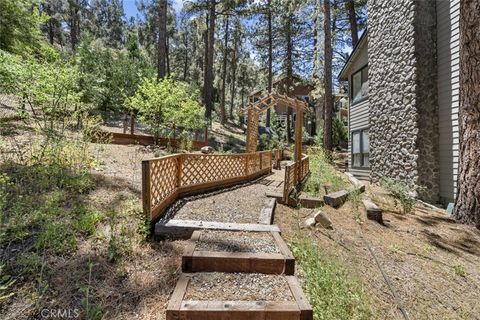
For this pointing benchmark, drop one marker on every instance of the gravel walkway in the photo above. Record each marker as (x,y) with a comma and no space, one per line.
(251,242)
(242,205)
(238,286)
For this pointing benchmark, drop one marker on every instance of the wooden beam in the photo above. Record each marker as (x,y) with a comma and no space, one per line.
(267,212)
(175,303)
(306,312)
(183,229)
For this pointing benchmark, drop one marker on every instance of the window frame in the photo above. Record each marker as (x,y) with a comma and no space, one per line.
(360,132)
(361,82)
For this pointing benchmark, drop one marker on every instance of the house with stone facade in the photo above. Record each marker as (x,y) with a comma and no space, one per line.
(403,79)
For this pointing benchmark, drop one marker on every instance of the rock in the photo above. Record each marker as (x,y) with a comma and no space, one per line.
(322,218)
(207,150)
(310,222)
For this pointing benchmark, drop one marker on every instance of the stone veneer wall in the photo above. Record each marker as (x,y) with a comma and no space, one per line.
(403,94)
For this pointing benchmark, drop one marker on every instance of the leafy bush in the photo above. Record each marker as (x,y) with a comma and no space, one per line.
(323,174)
(401,192)
(339,133)
(162,104)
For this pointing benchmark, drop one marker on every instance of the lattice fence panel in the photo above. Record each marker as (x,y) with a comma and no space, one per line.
(198,169)
(266,159)
(163,179)
(253,163)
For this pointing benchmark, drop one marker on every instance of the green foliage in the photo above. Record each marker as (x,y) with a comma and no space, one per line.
(162,104)
(460,270)
(19,25)
(87,219)
(339,133)
(47,87)
(402,192)
(323,174)
(332,290)
(6,284)
(108,76)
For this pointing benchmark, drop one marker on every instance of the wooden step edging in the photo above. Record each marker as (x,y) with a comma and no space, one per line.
(183,229)
(268,211)
(304,200)
(212,261)
(297,309)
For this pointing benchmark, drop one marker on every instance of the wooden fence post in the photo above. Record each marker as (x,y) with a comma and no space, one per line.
(261,162)
(146,195)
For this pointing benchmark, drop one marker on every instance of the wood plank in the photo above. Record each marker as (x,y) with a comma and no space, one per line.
(267,212)
(183,229)
(174,305)
(190,248)
(287,254)
(306,312)
(239,310)
(373,211)
(208,261)
(310,202)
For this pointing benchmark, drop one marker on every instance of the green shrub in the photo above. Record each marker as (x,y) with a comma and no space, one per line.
(58,237)
(323,173)
(401,192)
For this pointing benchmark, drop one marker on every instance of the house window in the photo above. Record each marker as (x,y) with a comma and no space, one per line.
(360,149)
(360,85)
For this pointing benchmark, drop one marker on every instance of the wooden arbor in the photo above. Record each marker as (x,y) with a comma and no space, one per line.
(274,99)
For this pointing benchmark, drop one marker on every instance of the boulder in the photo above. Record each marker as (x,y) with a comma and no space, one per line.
(207,150)
(310,222)
(323,220)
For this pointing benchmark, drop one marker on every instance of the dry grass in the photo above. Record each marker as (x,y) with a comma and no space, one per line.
(431,260)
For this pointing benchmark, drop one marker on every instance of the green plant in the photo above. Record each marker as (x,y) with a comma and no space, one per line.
(58,237)
(323,174)
(87,219)
(6,284)
(162,104)
(460,270)
(92,312)
(332,290)
(401,192)
(354,197)
(394,248)
(339,133)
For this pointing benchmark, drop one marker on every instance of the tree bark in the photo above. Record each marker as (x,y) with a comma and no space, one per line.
(327,136)
(234,76)
(74,24)
(467,209)
(270,57)
(209,66)
(205,59)
(223,116)
(289,67)
(185,56)
(162,39)
(352,18)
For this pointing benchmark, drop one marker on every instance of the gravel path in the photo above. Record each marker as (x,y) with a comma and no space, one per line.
(252,242)
(238,286)
(242,205)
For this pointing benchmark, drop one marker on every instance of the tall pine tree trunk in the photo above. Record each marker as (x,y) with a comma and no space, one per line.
(205,59)
(162,39)
(223,116)
(270,57)
(467,208)
(352,18)
(209,66)
(289,65)
(234,76)
(185,57)
(74,24)
(327,136)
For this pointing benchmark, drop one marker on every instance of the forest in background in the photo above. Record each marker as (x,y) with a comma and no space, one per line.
(221,50)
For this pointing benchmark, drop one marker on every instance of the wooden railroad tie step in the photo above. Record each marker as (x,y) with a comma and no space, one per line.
(373,211)
(296,309)
(195,260)
(267,213)
(183,229)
